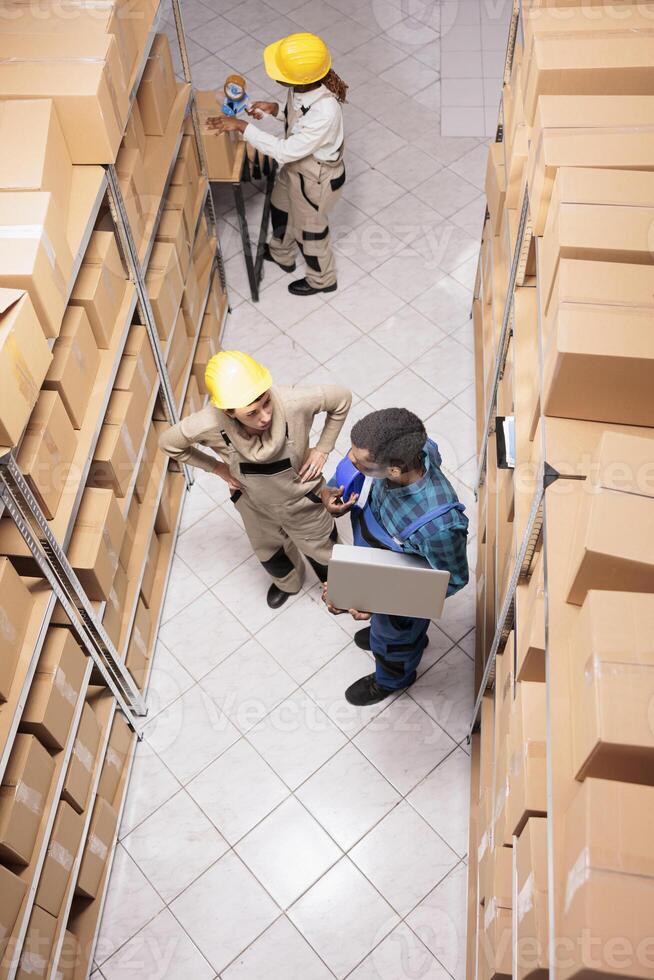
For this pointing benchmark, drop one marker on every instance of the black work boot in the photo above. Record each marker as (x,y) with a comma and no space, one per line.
(302,288)
(268,256)
(276,597)
(366,691)
(362,639)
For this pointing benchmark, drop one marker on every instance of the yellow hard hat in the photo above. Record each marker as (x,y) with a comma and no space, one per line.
(298,59)
(235,379)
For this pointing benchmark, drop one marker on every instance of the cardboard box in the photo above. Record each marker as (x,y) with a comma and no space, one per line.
(39,158)
(62,849)
(609,867)
(165,286)
(118,749)
(24,361)
(219,150)
(83,75)
(34,252)
(70,958)
(495,185)
(16,605)
(191,298)
(138,651)
(75,364)
(100,838)
(38,945)
(145,470)
(96,542)
(579,21)
(204,351)
(502,832)
(530,626)
(172,230)
(150,570)
(100,286)
(135,138)
(504,679)
(157,90)
(527,786)
(25,786)
(181,198)
(46,452)
(131,175)
(131,523)
(115,608)
(584,64)
(495,958)
(194,400)
(612,680)
(607,132)
(189,157)
(117,449)
(80,768)
(532,910)
(55,689)
(137,372)
(12,894)
(613,542)
(163,523)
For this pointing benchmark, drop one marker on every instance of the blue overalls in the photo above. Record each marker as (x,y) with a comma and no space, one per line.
(397,642)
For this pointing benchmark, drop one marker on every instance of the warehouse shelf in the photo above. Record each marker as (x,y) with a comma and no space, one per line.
(125,502)
(181,388)
(88,190)
(105,710)
(139,69)
(10,961)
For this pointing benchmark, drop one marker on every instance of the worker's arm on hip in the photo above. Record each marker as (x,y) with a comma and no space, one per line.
(180,441)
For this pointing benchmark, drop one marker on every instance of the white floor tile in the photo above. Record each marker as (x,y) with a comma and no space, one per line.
(454,431)
(408,166)
(197,647)
(243,592)
(409,76)
(447,303)
(443,799)
(448,194)
(363,366)
(197,505)
(296,739)
(161,949)
(224,911)
(131,903)
(404,743)
(288,851)
(183,586)
(401,954)
(367,303)
(343,917)
(302,638)
(237,791)
(323,332)
(151,784)
(376,52)
(409,217)
(446,692)
(281,953)
(374,141)
(407,335)
(440,922)
(409,391)
(247,329)
(370,192)
(408,274)
(313,15)
(175,845)
(459,121)
(462,92)
(447,366)
(212,548)
(345,34)
(168,681)
(404,858)
(347,796)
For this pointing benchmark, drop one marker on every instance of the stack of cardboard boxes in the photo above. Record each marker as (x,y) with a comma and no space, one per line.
(563,779)
(82,411)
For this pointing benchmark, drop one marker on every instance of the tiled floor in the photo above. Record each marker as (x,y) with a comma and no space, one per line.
(272,831)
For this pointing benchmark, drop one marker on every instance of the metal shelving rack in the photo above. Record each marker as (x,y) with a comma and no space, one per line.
(48,549)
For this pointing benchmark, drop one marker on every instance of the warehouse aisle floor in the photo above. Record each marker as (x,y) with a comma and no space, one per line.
(271,830)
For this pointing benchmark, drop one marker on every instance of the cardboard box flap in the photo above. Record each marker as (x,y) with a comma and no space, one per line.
(604,332)
(625,463)
(594,185)
(8,297)
(616,628)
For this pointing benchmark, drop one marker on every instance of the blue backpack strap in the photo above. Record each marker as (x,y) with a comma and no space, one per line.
(431,515)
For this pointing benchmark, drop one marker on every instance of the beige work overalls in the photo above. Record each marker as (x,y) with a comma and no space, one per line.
(304,193)
(284,518)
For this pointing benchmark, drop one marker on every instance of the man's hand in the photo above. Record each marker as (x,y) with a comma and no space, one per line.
(354,613)
(313,465)
(332,502)
(257,109)
(222,470)
(226,124)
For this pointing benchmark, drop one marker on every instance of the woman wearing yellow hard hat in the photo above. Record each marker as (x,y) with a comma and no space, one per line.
(261,433)
(310,155)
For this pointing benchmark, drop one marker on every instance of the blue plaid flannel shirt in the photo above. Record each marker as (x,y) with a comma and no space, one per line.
(443,541)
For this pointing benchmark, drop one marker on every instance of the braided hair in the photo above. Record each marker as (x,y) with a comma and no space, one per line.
(336,85)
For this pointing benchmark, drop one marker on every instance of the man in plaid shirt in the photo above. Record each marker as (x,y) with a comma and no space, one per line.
(392,447)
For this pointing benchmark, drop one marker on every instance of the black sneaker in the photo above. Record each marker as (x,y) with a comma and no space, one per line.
(302,288)
(362,639)
(267,254)
(276,597)
(366,691)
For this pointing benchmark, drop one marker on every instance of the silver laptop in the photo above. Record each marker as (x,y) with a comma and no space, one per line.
(374,580)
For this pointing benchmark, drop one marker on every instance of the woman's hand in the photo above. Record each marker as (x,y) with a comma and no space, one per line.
(222,470)
(226,124)
(354,613)
(332,502)
(313,465)
(257,109)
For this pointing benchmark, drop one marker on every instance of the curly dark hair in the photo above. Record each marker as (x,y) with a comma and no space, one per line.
(392,437)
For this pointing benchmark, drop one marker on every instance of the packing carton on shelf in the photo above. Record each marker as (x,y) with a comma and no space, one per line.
(495,185)
(38,945)
(83,75)
(131,175)
(12,894)
(55,689)
(23,794)
(532,909)
(613,542)
(157,91)
(527,793)
(24,362)
(530,626)
(135,138)
(34,253)
(97,849)
(612,681)
(47,450)
(80,768)
(578,21)
(165,286)
(118,445)
(138,650)
(39,158)
(609,872)
(495,942)
(179,353)
(100,286)
(115,608)
(147,462)
(64,843)
(96,542)
(147,583)
(137,372)
(220,149)
(16,605)
(118,750)
(172,229)
(69,958)
(75,364)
